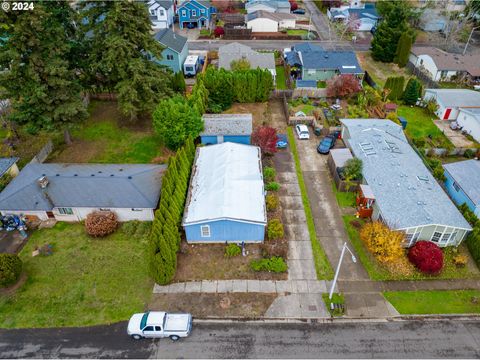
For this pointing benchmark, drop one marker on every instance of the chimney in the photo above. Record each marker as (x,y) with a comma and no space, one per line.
(43,182)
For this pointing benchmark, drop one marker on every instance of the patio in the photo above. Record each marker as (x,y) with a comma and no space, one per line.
(455,136)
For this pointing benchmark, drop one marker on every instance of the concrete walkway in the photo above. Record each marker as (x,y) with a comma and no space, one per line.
(245,286)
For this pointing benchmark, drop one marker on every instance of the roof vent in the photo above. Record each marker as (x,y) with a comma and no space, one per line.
(57,174)
(100,172)
(129,177)
(120,169)
(75,174)
(43,182)
(111,175)
(325,56)
(92,175)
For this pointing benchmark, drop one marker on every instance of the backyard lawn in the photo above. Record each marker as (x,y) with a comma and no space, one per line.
(344,199)
(379,71)
(377,271)
(420,126)
(106,137)
(280,78)
(435,302)
(297,32)
(84,282)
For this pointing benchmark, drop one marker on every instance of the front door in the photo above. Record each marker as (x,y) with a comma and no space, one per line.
(447,114)
(50,215)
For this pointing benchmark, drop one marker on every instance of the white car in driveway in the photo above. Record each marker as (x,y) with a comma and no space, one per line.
(159,324)
(302,132)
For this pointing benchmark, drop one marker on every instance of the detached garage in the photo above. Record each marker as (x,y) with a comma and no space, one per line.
(226,201)
(219,128)
(264,21)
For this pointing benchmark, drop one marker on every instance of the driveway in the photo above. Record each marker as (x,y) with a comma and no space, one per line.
(11,242)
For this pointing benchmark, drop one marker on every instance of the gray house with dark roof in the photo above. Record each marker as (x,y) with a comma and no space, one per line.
(462,180)
(161,13)
(312,62)
(176,49)
(69,192)
(220,128)
(407,196)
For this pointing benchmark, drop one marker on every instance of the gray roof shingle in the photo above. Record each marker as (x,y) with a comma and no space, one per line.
(6,163)
(405,191)
(84,185)
(171,40)
(467,175)
(227,124)
(237,51)
(262,14)
(456,97)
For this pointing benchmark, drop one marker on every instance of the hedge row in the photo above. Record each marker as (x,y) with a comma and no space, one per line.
(165,236)
(395,85)
(473,239)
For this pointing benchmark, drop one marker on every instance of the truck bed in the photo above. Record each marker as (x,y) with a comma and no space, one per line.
(177,322)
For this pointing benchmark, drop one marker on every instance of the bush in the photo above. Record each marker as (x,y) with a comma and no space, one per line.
(10,269)
(136,228)
(460,260)
(272,186)
(469,153)
(101,223)
(426,256)
(274,264)
(439,173)
(275,229)
(272,202)
(383,243)
(232,250)
(419,143)
(353,169)
(269,174)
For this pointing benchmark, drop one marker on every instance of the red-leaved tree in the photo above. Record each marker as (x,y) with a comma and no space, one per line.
(219,31)
(331,3)
(293,5)
(266,138)
(343,85)
(426,256)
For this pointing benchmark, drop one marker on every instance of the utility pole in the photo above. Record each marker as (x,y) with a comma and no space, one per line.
(354,259)
(469,37)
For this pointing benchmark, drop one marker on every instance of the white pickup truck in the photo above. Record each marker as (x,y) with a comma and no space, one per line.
(159,324)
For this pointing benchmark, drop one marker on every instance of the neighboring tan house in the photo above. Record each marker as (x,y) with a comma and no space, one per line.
(311,62)
(162,13)
(226,197)
(463,183)
(236,51)
(451,101)
(176,49)
(195,14)
(69,192)
(439,65)
(220,128)
(264,21)
(406,196)
(272,6)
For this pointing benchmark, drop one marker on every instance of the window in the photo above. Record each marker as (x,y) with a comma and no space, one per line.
(158,328)
(436,236)
(203,11)
(152,12)
(148,328)
(65,211)
(205,230)
(169,57)
(445,237)
(184,13)
(408,238)
(194,12)
(133,209)
(162,12)
(104,209)
(455,186)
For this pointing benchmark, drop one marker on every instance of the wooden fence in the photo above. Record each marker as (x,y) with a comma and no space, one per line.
(231,18)
(309,92)
(237,32)
(43,153)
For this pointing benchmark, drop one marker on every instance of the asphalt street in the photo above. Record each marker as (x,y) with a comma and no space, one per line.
(412,339)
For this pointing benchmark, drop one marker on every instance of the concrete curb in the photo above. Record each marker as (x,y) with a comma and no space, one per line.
(343,319)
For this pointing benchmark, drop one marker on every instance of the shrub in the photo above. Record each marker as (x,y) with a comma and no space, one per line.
(101,223)
(219,31)
(353,169)
(275,229)
(426,256)
(460,260)
(272,186)
(469,153)
(439,173)
(274,248)
(274,264)
(269,174)
(232,250)
(136,228)
(419,143)
(272,202)
(383,243)
(10,269)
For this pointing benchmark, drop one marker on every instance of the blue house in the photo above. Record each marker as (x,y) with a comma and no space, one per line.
(226,201)
(176,49)
(463,183)
(195,14)
(219,128)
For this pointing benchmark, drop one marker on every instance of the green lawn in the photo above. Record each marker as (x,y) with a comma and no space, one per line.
(336,299)
(280,78)
(378,272)
(380,71)
(344,199)
(420,126)
(322,266)
(106,137)
(321,84)
(297,32)
(84,282)
(435,302)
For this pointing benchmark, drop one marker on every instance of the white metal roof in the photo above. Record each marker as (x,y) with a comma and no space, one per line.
(227,183)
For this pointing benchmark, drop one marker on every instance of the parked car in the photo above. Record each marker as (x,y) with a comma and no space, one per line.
(302,132)
(326,144)
(282,141)
(299,11)
(159,324)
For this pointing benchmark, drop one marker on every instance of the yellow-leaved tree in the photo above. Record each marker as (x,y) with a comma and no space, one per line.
(382,242)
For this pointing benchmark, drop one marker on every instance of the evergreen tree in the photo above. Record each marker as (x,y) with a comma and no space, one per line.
(403,49)
(178,83)
(412,92)
(41,83)
(199,97)
(395,87)
(120,47)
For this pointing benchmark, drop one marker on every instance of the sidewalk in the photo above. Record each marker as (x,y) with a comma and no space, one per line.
(370,286)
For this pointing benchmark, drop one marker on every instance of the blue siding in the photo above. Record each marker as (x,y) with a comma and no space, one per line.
(226,230)
(239,139)
(459,197)
(173,64)
(209,139)
(185,13)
